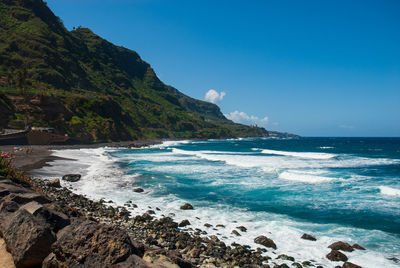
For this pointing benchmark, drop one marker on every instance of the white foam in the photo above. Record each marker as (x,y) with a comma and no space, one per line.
(386,190)
(303,177)
(300,154)
(326,147)
(166,144)
(271,163)
(103,179)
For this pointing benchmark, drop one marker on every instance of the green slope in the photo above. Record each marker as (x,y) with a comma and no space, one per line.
(90,88)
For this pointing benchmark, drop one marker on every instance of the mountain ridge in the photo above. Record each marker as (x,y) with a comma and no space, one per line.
(89,88)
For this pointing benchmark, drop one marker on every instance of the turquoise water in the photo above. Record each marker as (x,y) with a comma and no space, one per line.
(334,188)
(327,180)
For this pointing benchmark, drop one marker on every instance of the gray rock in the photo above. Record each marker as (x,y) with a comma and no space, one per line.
(336,255)
(72,177)
(341,246)
(55,183)
(7,187)
(23,198)
(242,228)
(265,241)
(7,209)
(186,206)
(308,237)
(138,190)
(135,261)
(357,246)
(28,239)
(89,244)
(184,223)
(236,233)
(350,265)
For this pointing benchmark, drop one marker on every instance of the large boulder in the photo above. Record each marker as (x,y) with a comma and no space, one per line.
(23,198)
(341,246)
(7,209)
(28,239)
(72,177)
(89,244)
(265,241)
(55,219)
(7,187)
(336,255)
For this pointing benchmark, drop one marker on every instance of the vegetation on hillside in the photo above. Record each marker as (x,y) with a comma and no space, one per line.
(89,88)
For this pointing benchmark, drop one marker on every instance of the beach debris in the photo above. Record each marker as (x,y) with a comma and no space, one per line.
(55,183)
(308,237)
(350,265)
(72,177)
(265,241)
(184,223)
(341,246)
(336,255)
(138,190)
(186,206)
(357,246)
(242,228)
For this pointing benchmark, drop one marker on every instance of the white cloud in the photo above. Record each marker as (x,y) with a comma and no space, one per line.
(242,117)
(213,96)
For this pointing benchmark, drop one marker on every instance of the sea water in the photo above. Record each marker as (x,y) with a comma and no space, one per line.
(344,189)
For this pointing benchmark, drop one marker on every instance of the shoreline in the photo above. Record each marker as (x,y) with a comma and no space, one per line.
(147,219)
(39,156)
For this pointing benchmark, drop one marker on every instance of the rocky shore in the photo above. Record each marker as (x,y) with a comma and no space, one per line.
(45,225)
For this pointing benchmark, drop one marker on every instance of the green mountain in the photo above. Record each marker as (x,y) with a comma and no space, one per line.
(83,85)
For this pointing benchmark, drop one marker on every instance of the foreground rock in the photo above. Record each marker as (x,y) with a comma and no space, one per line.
(28,239)
(336,255)
(72,177)
(341,246)
(89,244)
(265,241)
(6,259)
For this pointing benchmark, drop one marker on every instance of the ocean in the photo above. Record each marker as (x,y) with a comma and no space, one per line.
(344,189)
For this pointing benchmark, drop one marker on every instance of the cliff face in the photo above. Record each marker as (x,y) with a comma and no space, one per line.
(83,85)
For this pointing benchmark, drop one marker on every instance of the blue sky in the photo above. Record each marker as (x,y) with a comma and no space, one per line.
(314,68)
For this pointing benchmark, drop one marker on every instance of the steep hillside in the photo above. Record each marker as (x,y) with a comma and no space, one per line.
(85,86)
